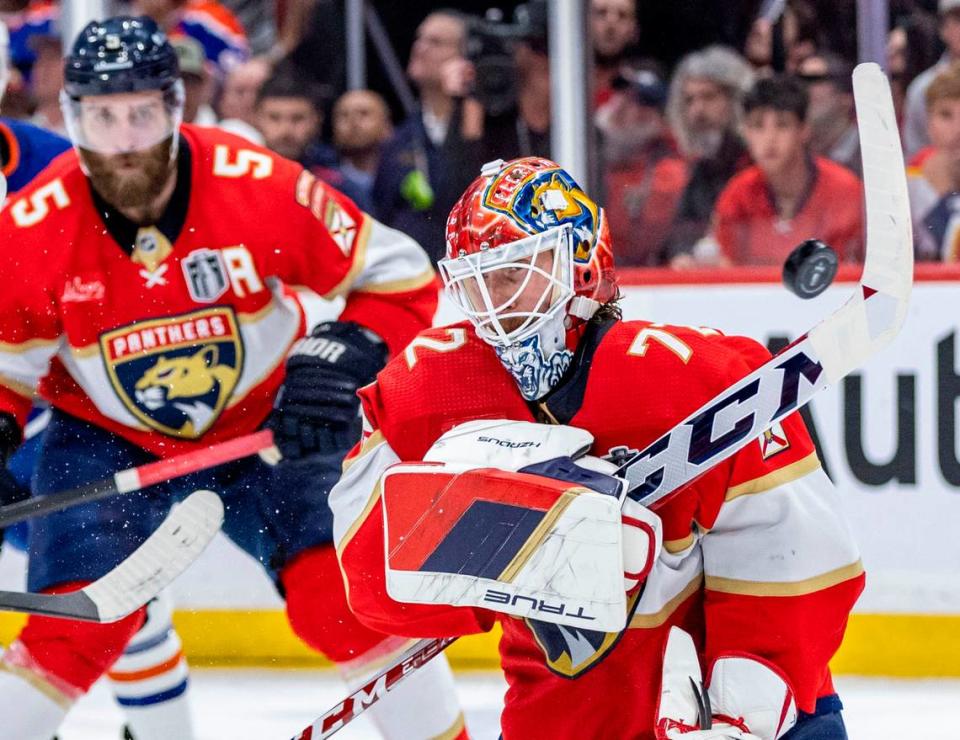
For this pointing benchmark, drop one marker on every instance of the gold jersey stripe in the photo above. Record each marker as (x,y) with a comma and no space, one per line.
(453,731)
(21,389)
(675,546)
(366,447)
(778,477)
(48,690)
(18,348)
(371,503)
(789,588)
(399,286)
(652,621)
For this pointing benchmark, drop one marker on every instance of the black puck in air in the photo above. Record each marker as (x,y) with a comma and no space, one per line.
(810,269)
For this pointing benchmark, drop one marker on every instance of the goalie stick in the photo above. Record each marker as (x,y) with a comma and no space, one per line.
(163,556)
(868,321)
(133,479)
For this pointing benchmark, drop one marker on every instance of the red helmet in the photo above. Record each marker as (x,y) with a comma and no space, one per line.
(525,201)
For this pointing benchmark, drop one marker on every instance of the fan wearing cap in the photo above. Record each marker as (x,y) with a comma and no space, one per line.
(470,499)
(151,303)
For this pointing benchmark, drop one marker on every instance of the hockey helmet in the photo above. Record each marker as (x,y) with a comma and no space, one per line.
(528,223)
(121,55)
(513,211)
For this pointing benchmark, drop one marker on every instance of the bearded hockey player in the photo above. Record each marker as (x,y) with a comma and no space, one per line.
(149,299)
(150,680)
(469,500)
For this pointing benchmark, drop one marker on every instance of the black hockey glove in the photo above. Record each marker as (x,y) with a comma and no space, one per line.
(317,409)
(10,490)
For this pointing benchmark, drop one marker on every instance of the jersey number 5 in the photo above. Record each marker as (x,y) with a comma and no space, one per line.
(246,162)
(31,211)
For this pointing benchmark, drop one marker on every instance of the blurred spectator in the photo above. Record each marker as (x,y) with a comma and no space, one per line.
(801,32)
(915,109)
(613,31)
(934,185)
(46,79)
(913,46)
(420,175)
(209,22)
(361,125)
(832,119)
(758,48)
(38,18)
(196,81)
(289,115)
(789,195)
(644,175)
(236,105)
(523,129)
(258,20)
(703,109)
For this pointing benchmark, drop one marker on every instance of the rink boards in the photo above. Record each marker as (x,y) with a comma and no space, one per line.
(888,435)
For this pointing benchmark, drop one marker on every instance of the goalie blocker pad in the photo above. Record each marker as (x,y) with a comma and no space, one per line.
(518,543)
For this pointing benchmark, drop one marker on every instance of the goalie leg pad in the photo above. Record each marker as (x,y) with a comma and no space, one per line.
(515,543)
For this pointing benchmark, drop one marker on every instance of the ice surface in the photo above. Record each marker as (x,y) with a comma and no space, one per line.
(274,705)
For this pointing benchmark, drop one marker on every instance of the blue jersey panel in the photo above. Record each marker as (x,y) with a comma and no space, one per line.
(31,149)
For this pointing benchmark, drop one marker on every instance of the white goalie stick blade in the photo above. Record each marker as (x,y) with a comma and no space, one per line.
(868,321)
(844,341)
(165,554)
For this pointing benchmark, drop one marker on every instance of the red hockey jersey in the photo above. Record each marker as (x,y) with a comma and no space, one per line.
(177,341)
(757,556)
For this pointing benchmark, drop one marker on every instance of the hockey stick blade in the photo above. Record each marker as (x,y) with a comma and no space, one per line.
(335,718)
(842,342)
(165,554)
(133,479)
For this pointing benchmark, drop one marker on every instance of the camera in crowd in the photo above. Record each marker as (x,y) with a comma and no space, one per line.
(490,45)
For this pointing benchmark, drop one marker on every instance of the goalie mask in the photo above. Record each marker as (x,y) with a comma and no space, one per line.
(528,261)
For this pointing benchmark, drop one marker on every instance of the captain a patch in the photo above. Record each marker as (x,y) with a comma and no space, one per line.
(773,441)
(176,374)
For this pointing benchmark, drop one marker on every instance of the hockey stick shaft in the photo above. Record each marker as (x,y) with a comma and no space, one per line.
(163,556)
(337,717)
(869,320)
(133,479)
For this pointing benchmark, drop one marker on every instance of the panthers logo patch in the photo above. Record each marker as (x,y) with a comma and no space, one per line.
(176,374)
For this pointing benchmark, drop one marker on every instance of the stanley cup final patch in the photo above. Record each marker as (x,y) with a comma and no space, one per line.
(176,374)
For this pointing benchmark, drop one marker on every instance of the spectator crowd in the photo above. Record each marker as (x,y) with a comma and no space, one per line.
(732,154)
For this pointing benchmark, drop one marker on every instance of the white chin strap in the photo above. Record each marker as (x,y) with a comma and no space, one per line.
(583,307)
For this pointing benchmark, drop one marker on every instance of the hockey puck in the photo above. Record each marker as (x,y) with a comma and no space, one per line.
(810,269)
